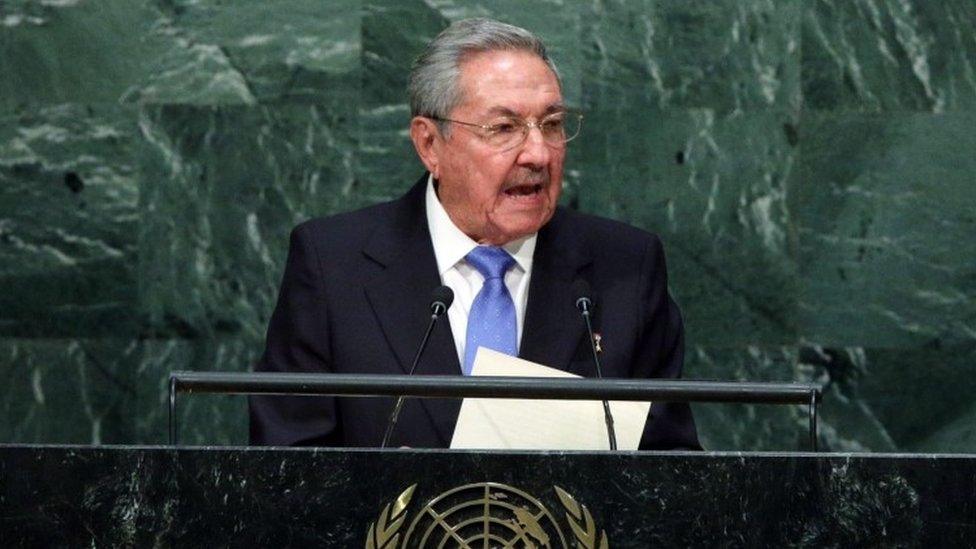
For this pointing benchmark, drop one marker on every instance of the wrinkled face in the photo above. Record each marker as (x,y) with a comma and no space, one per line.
(498,196)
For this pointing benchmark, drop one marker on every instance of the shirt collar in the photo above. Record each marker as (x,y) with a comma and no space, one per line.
(451,245)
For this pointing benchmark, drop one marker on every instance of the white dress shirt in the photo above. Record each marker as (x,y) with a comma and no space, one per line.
(451,246)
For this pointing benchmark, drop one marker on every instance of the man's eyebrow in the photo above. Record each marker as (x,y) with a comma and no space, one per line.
(502,111)
(505,111)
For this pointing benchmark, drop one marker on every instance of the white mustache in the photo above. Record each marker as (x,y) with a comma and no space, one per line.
(540,177)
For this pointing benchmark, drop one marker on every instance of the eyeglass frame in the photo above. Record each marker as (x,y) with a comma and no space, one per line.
(525,124)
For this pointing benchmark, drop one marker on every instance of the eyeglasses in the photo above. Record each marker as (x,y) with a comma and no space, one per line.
(508,132)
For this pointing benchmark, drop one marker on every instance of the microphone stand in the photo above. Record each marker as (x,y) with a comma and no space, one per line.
(438,308)
(583,304)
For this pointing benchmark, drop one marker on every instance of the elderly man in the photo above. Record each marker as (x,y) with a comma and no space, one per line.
(490,126)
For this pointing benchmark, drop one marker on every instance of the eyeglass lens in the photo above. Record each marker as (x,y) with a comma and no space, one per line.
(555,130)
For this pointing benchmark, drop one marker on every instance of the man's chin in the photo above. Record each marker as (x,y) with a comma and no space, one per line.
(516,227)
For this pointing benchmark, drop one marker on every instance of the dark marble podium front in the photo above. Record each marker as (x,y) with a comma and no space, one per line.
(73,496)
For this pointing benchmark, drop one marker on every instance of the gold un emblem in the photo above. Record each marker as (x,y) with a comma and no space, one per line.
(482,516)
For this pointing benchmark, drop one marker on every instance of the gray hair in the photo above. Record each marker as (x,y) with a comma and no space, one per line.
(434,79)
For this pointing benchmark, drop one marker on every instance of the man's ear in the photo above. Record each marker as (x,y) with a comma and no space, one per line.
(424,134)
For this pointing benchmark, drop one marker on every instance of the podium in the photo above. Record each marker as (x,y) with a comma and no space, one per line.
(390,498)
(74,496)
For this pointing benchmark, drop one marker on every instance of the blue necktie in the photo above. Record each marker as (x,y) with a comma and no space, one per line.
(491,322)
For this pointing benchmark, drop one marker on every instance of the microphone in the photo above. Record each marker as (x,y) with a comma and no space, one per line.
(584,303)
(440,301)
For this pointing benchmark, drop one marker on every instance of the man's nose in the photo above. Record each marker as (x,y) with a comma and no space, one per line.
(534,151)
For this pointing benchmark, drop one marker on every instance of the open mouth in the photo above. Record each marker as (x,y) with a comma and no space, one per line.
(524,190)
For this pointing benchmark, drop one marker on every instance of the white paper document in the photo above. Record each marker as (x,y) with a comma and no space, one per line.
(497,423)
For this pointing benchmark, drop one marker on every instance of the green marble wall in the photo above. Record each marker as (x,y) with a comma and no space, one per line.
(809,164)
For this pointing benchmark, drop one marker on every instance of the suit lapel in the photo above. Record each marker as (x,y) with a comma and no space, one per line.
(553,328)
(400,296)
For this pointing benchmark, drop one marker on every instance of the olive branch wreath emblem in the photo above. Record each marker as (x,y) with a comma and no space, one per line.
(385,532)
(581,522)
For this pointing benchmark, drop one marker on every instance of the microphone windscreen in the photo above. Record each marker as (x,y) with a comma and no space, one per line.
(442,294)
(581,288)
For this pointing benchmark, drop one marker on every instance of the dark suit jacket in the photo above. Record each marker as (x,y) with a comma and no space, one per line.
(355,298)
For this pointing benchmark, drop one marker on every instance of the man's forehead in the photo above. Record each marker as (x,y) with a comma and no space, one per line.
(510,83)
